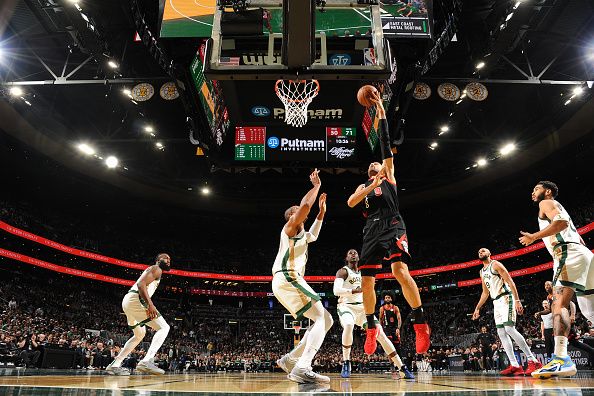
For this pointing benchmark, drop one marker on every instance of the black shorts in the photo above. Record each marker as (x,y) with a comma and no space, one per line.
(384,243)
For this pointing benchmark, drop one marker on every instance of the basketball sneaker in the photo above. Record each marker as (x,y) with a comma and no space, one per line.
(346,369)
(532,367)
(307,376)
(556,367)
(117,370)
(286,363)
(371,340)
(512,370)
(423,341)
(407,373)
(149,367)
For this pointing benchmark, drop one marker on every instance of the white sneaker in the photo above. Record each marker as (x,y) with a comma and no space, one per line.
(149,368)
(117,370)
(307,376)
(286,363)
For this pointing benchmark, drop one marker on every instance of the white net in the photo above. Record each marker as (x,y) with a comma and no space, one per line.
(296,95)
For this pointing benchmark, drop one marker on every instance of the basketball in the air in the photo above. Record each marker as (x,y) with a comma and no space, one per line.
(365,95)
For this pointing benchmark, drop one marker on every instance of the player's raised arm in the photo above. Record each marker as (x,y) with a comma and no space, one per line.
(316,227)
(305,206)
(146,279)
(559,222)
(502,271)
(384,138)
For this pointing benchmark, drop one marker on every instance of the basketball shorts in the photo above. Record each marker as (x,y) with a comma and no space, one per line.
(504,311)
(573,266)
(291,290)
(135,309)
(384,243)
(352,313)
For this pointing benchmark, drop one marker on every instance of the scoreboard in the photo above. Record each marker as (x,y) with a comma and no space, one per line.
(308,144)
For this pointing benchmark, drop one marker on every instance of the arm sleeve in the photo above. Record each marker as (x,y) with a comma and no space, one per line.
(314,231)
(384,139)
(338,288)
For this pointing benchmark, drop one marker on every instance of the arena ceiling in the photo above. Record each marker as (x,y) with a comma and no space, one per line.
(532,69)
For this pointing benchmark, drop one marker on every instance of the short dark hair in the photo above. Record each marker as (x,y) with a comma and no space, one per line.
(549,185)
(158,257)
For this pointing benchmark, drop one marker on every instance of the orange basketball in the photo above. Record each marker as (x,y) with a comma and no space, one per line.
(365,95)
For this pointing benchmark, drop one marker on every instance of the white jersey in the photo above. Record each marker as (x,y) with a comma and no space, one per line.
(547,320)
(493,281)
(152,287)
(568,235)
(292,252)
(352,281)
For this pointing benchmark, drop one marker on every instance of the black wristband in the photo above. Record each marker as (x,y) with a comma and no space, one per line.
(384,140)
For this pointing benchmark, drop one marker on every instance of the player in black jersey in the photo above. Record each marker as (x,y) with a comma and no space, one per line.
(384,239)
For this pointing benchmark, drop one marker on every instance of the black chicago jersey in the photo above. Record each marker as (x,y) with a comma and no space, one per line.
(384,235)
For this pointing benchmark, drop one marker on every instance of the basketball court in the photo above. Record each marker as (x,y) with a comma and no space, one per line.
(95,383)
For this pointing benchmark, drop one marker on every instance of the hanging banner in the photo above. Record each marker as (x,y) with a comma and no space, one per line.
(449,92)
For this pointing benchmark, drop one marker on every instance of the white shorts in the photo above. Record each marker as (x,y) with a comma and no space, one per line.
(504,311)
(352,314)
(573,266)
(135,311)
(293,292)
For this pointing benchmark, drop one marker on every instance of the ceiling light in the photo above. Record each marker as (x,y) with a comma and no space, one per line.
(434,144)
(508,148)
(111,162)
(27,102)
(85,148)
(509,16)
(481,162)
(459,101)
(205,190)
(16,91)
(517,4)
(567,102)
(480,65)
(159,145)
(113,64)
(149,128)
(463,96)
(578,91)
(126,91)
(444,128)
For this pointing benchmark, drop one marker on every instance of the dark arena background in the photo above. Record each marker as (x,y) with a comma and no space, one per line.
(130,128)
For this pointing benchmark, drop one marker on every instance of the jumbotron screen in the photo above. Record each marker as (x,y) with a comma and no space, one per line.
(278,144)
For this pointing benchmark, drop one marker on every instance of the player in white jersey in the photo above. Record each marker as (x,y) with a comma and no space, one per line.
(498,284)
(294,293)
(140,311)
(573,272)
(347,286)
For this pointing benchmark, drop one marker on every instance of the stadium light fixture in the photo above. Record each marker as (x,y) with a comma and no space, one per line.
(86,149)
(480,65)
(126,91)
(113,64)
(16,91)
(111,162)
(205,190)
(508,148)
(481,162)
(159,145)
(149,129)
(434,145)
(568,101)
(577,91)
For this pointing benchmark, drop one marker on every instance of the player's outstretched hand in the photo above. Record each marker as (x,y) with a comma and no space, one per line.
(476,314)
(526,238)
(379,178)
(315,177)
(322,203)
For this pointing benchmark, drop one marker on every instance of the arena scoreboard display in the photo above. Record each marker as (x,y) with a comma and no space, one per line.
(308,144)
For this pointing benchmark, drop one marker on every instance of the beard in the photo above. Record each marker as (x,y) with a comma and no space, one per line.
(539,198)
(164,266)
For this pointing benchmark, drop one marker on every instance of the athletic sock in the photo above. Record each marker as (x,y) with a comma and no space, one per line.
(561,346)
(370,321)
(418,315)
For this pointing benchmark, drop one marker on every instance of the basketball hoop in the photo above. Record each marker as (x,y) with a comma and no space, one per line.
(296,95)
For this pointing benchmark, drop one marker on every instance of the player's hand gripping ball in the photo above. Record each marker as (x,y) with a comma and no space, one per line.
(366,94)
